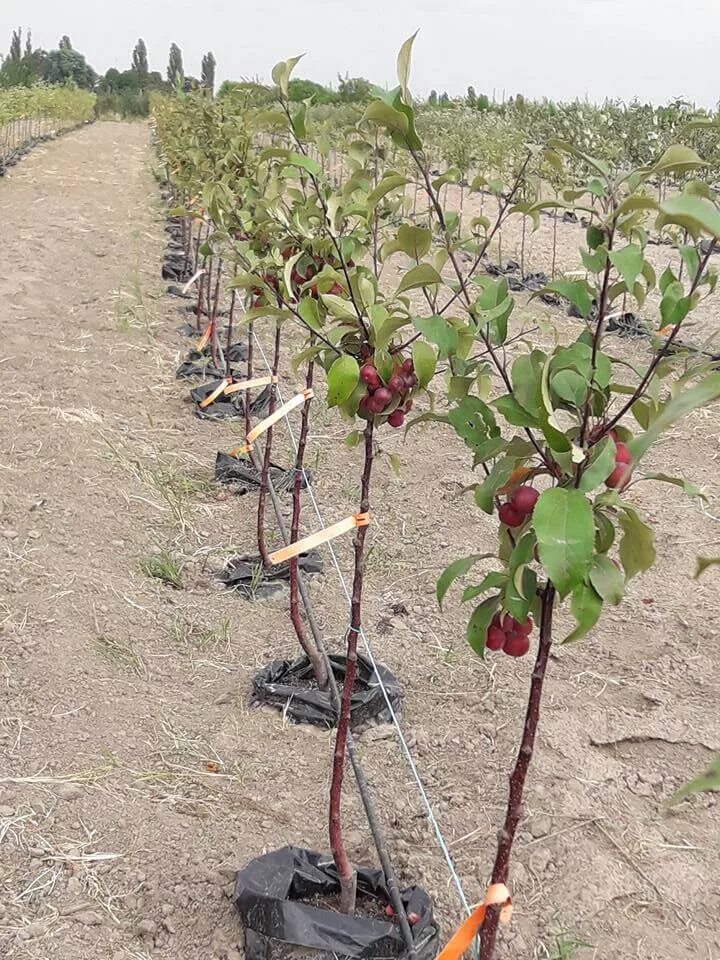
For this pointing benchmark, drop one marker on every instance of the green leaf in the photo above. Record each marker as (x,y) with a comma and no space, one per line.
(492,581)
(600,465)
(688,488)
(702,784)
(414,241)
(306,163)
(563,523)
(628,262)
(585,607)
(439,331)
(678,159)
(281,72)
(576,291)
(403,66)
(604,532)
(607,580)
(522,584)
(696,214)
(386,116)
(498,477)
(477,628)
(473,421)
(637,547)
(353,439)
(343,377)
(308,310)
(703,563)
(703,393)
(391,181)
(424,362)
(516,415)
(423,275)
(458,568)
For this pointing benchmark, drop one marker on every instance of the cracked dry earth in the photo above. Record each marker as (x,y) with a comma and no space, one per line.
(135,775)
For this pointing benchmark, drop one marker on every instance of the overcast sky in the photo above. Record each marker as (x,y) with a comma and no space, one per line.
(652,49)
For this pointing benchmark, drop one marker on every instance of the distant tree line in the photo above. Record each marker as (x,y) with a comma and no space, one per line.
(127,90)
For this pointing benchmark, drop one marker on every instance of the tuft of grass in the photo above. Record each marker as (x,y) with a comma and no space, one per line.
(119,653)
(130,308)
(566,947)
(202,638)
(163,566)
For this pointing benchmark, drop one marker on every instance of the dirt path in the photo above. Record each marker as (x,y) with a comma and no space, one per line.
(135,778)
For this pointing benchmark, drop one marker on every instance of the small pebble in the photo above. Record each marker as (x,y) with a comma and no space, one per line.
(69,791)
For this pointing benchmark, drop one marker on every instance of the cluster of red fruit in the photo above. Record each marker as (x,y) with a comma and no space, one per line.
(311,270)
(508,634)
(519,506)
(380,396)
(620,477)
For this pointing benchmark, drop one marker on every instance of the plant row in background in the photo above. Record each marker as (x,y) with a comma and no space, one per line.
(393,320)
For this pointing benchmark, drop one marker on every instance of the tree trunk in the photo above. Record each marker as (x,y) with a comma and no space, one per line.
(337,844)
(262,499)
(501,868)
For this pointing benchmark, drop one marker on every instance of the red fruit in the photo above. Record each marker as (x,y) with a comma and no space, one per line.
(613,434)
(527,627)
(363,405)
(408,366)
(287,253)
(622,453)
(389,912)
(510,516)
(383,396)
(374,405)
(410,381)
(369,375)
(396,383)
(619,477)
(413,918)
(408,405)
(516,644)
(336,289)
(396,418)
(495,639)
(524,499)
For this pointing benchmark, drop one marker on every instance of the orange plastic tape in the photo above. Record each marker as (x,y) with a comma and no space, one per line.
(249,384)
(245,448)
(205,338)
(322,536)
(297,401)
(497,895)
(212,397)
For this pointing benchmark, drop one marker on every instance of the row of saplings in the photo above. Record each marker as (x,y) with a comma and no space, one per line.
(294,878)
(291,895)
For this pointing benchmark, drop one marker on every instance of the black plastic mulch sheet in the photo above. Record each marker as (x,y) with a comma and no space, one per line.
(240,471)
(269,895)
(246,574)
(284,684)
(200,363)
(228,406)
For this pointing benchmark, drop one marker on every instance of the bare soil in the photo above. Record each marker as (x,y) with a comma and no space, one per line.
(135,778)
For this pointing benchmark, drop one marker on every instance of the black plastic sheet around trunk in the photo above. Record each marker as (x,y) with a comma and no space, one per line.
(199,363)
(241,473)
(227,407)
(285,684)
(247,575)
(269,895)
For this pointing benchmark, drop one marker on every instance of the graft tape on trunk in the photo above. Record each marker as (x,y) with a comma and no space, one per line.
(249,384)
(193,278)
(497,895)
(205,338)
(297,401)
(211,397)
(322,536)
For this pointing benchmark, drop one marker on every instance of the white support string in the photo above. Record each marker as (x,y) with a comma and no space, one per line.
(403,742)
